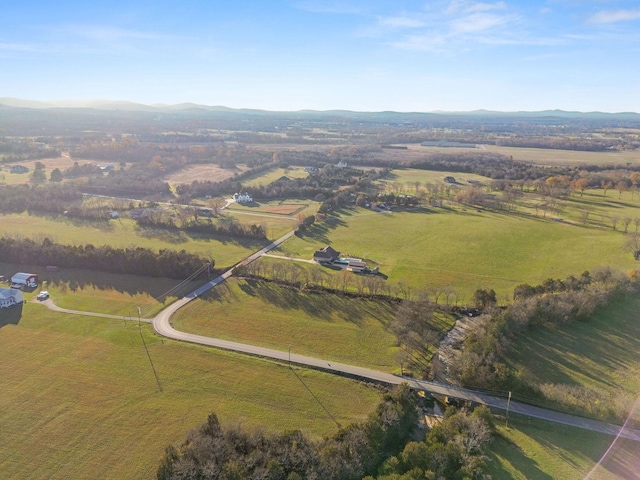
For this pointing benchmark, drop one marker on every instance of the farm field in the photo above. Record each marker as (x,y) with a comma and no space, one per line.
(265,178)
(289,207)
(331,327)
(80,399)
(535,450)
(542,156)
(601,354)
(124,233)
(103,292)
(408,176)
(212,173)
(49,163)
(464,249)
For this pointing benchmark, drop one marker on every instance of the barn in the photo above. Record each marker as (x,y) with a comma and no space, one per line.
(25,279)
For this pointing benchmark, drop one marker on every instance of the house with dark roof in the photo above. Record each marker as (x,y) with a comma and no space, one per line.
(326,255)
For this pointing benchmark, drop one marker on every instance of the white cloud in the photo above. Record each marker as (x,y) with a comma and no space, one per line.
(614,16)
(401,22)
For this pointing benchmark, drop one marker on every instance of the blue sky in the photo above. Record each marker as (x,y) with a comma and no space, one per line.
(368,55)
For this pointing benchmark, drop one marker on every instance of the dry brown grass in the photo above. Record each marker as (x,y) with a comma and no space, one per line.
(212,173)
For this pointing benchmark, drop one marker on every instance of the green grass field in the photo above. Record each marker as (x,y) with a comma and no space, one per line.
(265,178)
(465,249)
(535,450)
(601,354)
(409,176)
(125,233)
(80,400)
(546,156)
(331,327)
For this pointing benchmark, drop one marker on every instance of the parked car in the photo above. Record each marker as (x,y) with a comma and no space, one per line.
(43,295)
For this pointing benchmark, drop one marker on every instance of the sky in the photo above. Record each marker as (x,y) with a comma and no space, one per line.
(365,55)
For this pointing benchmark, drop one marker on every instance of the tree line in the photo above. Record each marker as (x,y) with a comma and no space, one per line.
(133,261)
(379,448)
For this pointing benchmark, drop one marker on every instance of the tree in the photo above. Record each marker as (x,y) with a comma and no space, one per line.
(56,175)
(484,298)
(581,184)
(38,175)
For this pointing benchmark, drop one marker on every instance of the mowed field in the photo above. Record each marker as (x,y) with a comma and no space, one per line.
(125,233)
(465,249)
(265,178)
(541,156)
(201,173)
(109,293)
(601,354)
(80,399)
(331,327)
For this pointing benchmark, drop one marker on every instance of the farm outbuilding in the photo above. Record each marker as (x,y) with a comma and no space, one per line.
(325,255)
(10,297)
(26,279)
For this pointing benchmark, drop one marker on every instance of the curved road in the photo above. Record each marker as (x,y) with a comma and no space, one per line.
(161,324)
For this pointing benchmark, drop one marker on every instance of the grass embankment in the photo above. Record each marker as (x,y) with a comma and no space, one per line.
(80,400)
(125,233)
(601,354)
(326,326)
(535,450)
(465,249)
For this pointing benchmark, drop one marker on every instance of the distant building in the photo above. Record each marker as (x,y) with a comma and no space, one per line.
(326,255)
(242,197)
(107,167)
(10,297)
(341,164)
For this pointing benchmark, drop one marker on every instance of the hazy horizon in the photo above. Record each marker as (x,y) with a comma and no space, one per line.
(369,56)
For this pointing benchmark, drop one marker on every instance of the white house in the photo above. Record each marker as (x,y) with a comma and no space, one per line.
(26,279)
(242,197)
(10,297)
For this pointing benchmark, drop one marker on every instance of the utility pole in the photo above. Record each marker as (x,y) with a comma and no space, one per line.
(508,403)
(289,355)
(139,319)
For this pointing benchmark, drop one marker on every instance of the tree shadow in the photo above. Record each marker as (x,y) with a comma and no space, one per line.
(11,315)
(322,306)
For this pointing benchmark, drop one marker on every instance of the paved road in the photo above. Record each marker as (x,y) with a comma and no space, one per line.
(161,324)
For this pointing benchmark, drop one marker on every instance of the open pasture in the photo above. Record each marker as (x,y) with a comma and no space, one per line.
(102,292)
(211,173)
(530,449)
(331,327)
(540,156)
(80,399)
(407,178)
(124,233)
(601,354)
(288,207)
(465,249)
(265,178)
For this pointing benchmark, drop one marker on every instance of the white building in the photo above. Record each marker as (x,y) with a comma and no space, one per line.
(242,197)
(10,297)
(26,279)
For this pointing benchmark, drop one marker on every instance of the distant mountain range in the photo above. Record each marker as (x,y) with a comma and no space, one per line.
(139,107)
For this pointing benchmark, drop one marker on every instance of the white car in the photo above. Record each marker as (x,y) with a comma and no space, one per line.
(43,295)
